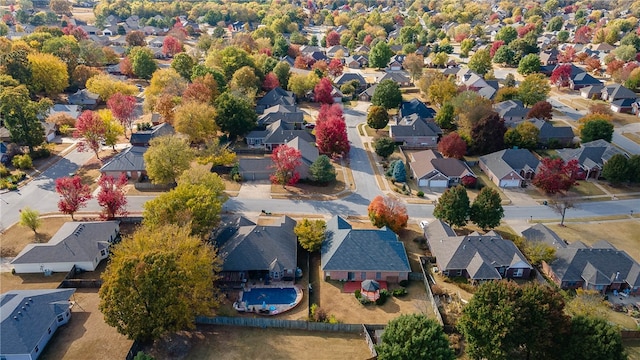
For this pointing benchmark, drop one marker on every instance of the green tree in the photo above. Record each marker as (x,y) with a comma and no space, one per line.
(377,118)
(183,64)
(507,34)
(158,281)
(593,338)
(465,46)
(66,48)
(282,71)
(555,24)
(166,158)
(280,46)
(30,218)
(444,118)
(534,88)
(310,233)
(384,146)
(529,64)
(453,206)
(322,171)
(215,153)
(616,170)
(142,62)
(236,115)
(21,115)
(596,128)
(480,62)
(625,52)
(486,210)
(504,55)
(399,172)
(524,135)
(563,36)
(229,60)
(414,336)
(387,94)
(380,55)
(634,168)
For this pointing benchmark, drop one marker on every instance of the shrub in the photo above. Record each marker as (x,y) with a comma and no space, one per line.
(318,314)
(404,283)
(333,320)
(4,184)
(41,153)
(437,290)
(235,173)
(65,130)
(4,172)
(420,193)
(142,356)
(22,161)
(384,294)
(364,300)
(399,292)
(357,294)
(13,187)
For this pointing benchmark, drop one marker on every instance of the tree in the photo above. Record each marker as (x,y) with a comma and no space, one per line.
(143,63)
(158,281)
(388,211)
(166,158)
(377,118)
(196,121)
(414,63)
(507,34)
(453,206)
(21,115)
(112,128)
(91,129)
(399,172)
(384,146)
(529,64)
(183,64)
(136,38)
(470,107)
(60,7)
(452,146)
(616,170)
(280,46)
(486,210)
(270,82)
(171,46)
(333,38)
(73,194)
(245,81)
(504,55)
(331,131)
(380,55)
(236,115)
(555,176)
(322,171)
(335,67)
(49,73)
(480,62)
(595,128)
(111,196)
(445,117)
(541,110)
(559,204)
(593,338)
(123,108)
(282,71)
(495,46)
(387,95)
(196,203)
(30,218)
(414,336)
(524,135)
(533,88)
(105,86)
(310,233)
(215,153)
(203,90)
(625,52)
(488,134)
(286,160)
(529,319)
(81,74)
(465,46)
(229,60)
(634,168)
(322,91)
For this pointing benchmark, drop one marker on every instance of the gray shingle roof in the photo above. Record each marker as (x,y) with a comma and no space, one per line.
(511,108)
(143,137)
(41,308)
(618,91)
(548,131)
(277,96)
(591,154)
(415,106)
(74,242)
(307,150)
(539,232)
(346,249)
(131,159)
(348,77)
(414,125)
(503,162)
(280,133)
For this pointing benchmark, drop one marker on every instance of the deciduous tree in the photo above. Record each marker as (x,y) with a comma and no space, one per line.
(286,161)
(310,233)
(196,120)
(105,86)
(445,117)
(616,170)
(166,158)
(384,146)
(21,115)
(282,71)
(49,73)
(387,94)
(30,218)
(112,128)
(143,63)
(73,194)
(377,118)
(529,64)
(236,115)
(452,146)
(541,110)
(533,88)
(322,171)
(322,91)
(414,336)
(380,55)
(171,46)
(388,211)
(123,108)
(335,67)
(595,127)
(270,82)
(486,210)
(136,38)
(215,153)
(91,130)
(559,204)
(555,176)
(453,206)
(480,62)
(414,64)
(111,196)
(331,132)
(507,34)
(488,134)
(524,135)
(593,338)
(183,64)
(333,38)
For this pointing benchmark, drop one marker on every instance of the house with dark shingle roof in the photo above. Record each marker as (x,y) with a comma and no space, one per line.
(581,80)
(592,92)
(143,137)
(397,77)
(349,77)
(415,106)
(474,256)
(601,267)
(430,169)
(511,111)
(277,96)
(30,318)
(79,244)
(541,233)
(349,254)
(276,134)
(84,98)
(368,94)
(129,162)
(290,114)
(249,250)
(509,167)
(617,92)
(415,131)
(591,157)
(553,136)
(309,153)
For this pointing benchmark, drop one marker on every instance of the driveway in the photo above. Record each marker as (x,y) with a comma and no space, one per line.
(255,190)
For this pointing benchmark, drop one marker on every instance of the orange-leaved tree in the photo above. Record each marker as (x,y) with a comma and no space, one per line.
(388,211)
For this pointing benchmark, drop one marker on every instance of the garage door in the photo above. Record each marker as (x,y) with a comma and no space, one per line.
(510,183)
(423,182)
(438,183)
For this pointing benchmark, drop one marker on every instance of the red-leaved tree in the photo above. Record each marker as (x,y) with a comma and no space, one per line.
(286,161)
(495,46)
(322,91)
(333,38)
(111,196)
(171,46)
(300,63)
(75,31)
(452,146)
(614,66)
(388,211)
(91,130)
(270,82)
(593,64)
(524,30)
(561,75)
(541,110)
(126,68)
(568,55)
(73,194)
(123,108)
(198,92)
(331,131)
(555,176)
(583,35)
(335,67)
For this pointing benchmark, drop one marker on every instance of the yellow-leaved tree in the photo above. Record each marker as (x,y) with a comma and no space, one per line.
(49,73)
(104,86)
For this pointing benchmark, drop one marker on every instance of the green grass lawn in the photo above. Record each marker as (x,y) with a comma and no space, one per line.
(483,180)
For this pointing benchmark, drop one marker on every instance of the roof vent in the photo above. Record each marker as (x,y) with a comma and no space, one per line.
(27,303)
(24,308)
(15,318)
(19,312)
(30,299)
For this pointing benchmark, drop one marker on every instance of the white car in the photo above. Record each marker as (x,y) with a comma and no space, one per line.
(424,224)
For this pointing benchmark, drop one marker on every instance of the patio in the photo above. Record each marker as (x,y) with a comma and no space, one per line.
(350,287)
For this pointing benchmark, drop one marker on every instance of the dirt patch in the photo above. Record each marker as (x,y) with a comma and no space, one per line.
(84,14)
(17,237)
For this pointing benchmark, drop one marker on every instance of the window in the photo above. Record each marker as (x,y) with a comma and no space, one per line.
(37,349)
(60,318)
(517,273)
(363,275)
(49,331)
(378,276)
(103,252)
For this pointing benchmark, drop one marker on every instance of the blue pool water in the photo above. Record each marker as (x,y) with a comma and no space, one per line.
(269,296)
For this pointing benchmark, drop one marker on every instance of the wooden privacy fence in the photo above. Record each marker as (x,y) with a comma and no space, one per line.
(432,300)
(278,323)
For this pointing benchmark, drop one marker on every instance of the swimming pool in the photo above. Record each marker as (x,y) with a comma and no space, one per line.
(269,296)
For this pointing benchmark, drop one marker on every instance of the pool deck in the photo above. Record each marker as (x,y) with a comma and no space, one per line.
(269,309)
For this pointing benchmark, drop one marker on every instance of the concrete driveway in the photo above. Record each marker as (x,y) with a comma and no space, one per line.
(255,190)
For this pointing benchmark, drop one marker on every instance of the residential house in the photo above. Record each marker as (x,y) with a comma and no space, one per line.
(276,134)
(277,96)
(356,61)
(511,111)
(553,136)
(591,157)
(251,251)
(477,83)
(432,170)
(309,153)
(4,153)
(395,63)
(623,105)
(362,49)
(416,131)
(549,57)
(310,49)
(351,77)
(509,168)
(581,80)
(543,234)
(84,98)
(592,92)
(617,92)
(368,94)
(79,244)
(604,47)
(399,78)
(415,106)
(349,254)
(635,108)
(29,320)
(336,49)
(129,162)
(144,137)
(600,267)
(475,257)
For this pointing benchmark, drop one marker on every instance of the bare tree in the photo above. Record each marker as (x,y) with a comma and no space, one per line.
(560,203)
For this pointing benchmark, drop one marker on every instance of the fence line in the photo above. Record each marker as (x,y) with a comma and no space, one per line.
(278,323)
(425,279)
